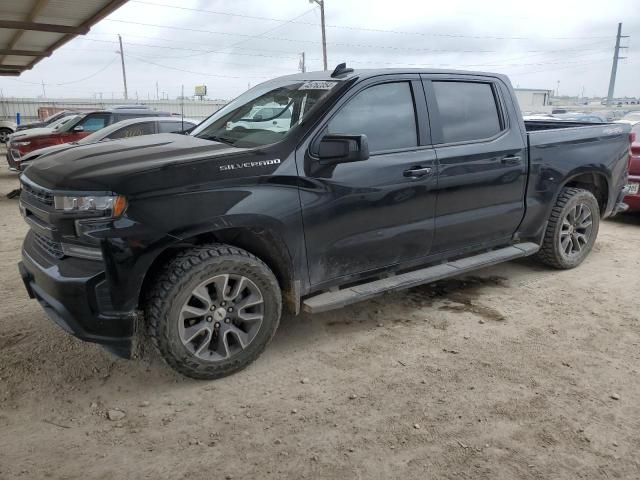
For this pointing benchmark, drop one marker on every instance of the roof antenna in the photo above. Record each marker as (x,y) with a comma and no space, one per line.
(341,70)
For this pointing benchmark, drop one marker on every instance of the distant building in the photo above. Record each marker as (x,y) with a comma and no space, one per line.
(533,97)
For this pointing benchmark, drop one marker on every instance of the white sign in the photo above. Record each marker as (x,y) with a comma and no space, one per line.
(317,85)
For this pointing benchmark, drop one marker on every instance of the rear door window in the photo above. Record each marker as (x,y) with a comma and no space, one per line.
(384,113)
(173,127)
(468,111)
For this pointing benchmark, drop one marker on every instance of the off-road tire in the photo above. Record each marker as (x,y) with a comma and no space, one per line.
(550,252)
(176,282)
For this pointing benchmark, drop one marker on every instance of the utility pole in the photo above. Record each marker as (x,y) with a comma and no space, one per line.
(302,66)
(558,89)
(157,95)
(44,93)
(614,66)
(124,73)
(324,35)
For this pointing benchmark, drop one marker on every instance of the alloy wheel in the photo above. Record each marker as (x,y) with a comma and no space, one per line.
(576,229)
(221,317)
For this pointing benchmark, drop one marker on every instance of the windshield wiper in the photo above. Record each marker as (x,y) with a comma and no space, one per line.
(215,138)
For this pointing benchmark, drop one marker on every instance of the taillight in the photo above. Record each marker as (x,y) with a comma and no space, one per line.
(632,137)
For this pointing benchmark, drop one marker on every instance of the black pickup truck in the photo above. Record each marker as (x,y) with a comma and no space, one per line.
(310,191)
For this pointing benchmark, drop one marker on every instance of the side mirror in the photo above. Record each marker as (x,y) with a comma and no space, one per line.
(78,128)
(338,148)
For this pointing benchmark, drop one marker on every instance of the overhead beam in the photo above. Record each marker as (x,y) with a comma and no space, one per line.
(111,7)
(4,66)
(31,16)
(43,27)
(9,74)
(26,53)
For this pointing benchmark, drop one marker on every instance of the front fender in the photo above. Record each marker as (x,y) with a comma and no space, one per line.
(154,224)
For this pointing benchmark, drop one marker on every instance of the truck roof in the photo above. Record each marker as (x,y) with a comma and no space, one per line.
(374,72)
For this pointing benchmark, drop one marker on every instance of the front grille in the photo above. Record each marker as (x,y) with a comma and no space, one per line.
(38,193)
(52,248)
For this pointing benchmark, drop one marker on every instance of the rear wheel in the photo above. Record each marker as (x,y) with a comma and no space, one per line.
(213,311)
(572,229)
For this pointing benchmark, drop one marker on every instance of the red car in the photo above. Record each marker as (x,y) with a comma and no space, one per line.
(72,131)
(633,186)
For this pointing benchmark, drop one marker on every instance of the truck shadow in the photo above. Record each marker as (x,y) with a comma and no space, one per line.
(628,218)
(457,295)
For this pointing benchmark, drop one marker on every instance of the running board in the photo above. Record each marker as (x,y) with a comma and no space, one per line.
(340,298)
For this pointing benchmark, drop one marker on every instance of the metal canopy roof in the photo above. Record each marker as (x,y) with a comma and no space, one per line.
(31,30)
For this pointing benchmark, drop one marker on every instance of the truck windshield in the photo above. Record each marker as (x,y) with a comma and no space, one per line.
(266,113)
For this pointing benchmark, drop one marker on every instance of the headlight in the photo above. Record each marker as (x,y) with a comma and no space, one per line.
(113,205)
(20,144)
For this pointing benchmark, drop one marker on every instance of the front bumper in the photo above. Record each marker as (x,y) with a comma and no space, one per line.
(74,294)
(13,159)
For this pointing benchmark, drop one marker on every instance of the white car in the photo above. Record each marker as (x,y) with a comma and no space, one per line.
(273,117)
(7,127)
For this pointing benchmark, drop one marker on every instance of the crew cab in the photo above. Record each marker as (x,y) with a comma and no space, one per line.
(73,131)
(383,180)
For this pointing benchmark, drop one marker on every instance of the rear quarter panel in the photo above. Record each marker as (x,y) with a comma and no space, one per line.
(557,156)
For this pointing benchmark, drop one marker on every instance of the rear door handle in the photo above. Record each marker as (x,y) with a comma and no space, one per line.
(511,160)
(418,171)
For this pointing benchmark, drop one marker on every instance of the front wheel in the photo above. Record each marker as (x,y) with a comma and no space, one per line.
(572,229)
(213,311)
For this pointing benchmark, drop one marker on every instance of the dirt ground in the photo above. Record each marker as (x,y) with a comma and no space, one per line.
(517,372)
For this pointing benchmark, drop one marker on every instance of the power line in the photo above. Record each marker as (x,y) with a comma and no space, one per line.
(164,47)
(191,71)
(578,66)
(346,27)
(297,41)
(72,81)
(259,35)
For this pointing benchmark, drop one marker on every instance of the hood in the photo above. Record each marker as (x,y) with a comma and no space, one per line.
(36,154)
(135,165)
(21,135)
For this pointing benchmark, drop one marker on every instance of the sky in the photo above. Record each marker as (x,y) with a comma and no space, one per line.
(564,45)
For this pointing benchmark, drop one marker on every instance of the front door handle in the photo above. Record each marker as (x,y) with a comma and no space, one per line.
(511,160)
(415,172)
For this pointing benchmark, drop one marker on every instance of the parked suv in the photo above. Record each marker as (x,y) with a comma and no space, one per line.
(86,125)
(382,180)
(124,129)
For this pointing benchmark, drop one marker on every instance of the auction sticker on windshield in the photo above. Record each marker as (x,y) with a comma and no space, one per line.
(317,85)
